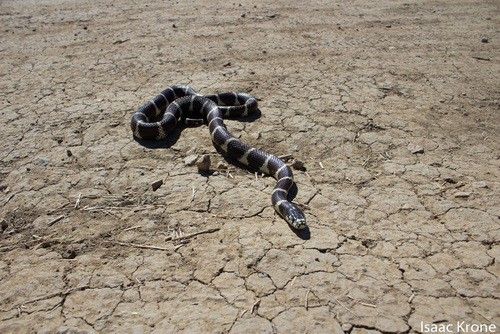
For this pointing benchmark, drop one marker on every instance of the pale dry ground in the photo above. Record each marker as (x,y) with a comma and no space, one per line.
(398,100)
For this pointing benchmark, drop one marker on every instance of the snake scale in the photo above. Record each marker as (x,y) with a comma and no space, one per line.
(157,118)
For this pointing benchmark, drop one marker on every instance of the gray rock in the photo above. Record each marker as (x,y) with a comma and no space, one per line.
(415,149)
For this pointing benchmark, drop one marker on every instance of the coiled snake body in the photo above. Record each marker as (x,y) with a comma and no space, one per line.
(183,103)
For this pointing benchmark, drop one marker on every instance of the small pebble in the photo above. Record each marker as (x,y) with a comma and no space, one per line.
(485,40)
(295,148)
(415,149)
(203,163)
(190,160)
(298,164)
(69,153)
(462,194)
(346,327)
(157,184)
(242,15)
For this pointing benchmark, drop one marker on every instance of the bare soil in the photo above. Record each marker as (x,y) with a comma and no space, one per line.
(393,106)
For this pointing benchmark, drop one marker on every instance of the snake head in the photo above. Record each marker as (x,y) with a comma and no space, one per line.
(295,217)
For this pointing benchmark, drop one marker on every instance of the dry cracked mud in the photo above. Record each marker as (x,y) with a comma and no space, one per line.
(391,105)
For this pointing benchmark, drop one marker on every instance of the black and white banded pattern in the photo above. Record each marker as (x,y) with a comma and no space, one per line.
(155,119)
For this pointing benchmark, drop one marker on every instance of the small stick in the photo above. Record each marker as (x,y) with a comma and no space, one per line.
(285,156)
(132,228)
(59,208)
(255,306)
(138,246)
(55,294)
(368,305)
(243,313)
(293,280)
(411,298)
(489,320)
(192,196)
(321,165)
(256,176)
(53,221)
(187,236)
(348,310)
(307,299)
(77,204)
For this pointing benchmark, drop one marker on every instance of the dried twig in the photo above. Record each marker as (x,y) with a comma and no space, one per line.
(59,208)
(187,236)
(368,305)
(139,246)
(77,204)
(411,298)
(55,294)
(132,228)
(321,165)
(53,221)
(366,161)
(293,281)
(255,306)
(192,195)
(348,309)
(243,313)
(285,156)
(489,320)
(307,299)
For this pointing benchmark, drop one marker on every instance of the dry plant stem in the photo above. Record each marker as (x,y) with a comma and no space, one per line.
(348,309)
(285,156)
(59,208)
(132,228)
(141,246)
(255,306)
(55,294)
(187,236)
(53,221)
(307,299)
(368,305)
(78,200)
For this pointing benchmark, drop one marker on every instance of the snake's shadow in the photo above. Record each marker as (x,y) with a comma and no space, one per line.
(304,234)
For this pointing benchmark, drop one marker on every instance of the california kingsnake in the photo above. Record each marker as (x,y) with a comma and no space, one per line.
(155,119)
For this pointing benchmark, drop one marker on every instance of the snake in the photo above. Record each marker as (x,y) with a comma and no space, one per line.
(160,116)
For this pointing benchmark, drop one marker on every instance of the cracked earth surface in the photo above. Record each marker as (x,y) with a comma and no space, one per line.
(391,105)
